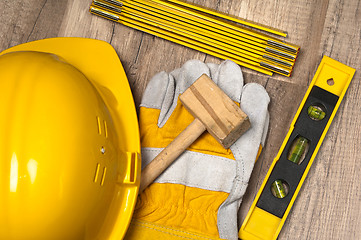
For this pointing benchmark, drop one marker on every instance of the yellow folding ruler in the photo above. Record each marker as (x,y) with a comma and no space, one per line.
(289,169)
(203,30)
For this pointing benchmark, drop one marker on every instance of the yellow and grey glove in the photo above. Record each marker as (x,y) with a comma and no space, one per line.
(198,196)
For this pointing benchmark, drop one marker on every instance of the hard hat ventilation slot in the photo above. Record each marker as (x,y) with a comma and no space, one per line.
(105,129)
(96,172)
(99,126)
(103,176)
(96,176)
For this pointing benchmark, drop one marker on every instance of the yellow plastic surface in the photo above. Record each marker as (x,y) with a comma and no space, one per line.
(336,72)
(253,225)
(69,143)
(267,221)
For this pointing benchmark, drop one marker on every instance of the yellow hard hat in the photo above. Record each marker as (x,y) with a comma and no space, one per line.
(69,142)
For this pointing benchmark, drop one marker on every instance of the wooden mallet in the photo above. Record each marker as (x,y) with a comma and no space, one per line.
(213,111)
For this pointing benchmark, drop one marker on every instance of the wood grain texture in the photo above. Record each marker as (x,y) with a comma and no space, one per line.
(170,153)
(329,204)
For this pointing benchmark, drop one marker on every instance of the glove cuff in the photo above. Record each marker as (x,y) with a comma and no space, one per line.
(143,230)
(184,208)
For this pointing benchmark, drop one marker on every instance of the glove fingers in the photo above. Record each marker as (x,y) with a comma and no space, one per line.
(156,90)
(254,103)
(163,90)
(229,78)
(188,73)
(213,69)
(181,78)
(265,130)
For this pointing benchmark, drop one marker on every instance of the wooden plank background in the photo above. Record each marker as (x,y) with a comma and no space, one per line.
(329,204)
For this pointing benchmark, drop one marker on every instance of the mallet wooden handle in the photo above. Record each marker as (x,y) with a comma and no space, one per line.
(170,153)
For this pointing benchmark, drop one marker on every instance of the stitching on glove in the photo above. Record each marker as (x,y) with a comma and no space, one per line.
(237,184)
(238,176)
(156,228)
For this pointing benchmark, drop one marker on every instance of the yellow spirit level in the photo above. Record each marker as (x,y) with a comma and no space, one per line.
(289,169)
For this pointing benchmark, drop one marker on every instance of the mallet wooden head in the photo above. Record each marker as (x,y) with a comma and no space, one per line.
(213,111)
(223,119)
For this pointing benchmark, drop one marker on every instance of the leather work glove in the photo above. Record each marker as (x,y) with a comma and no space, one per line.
(198,196)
